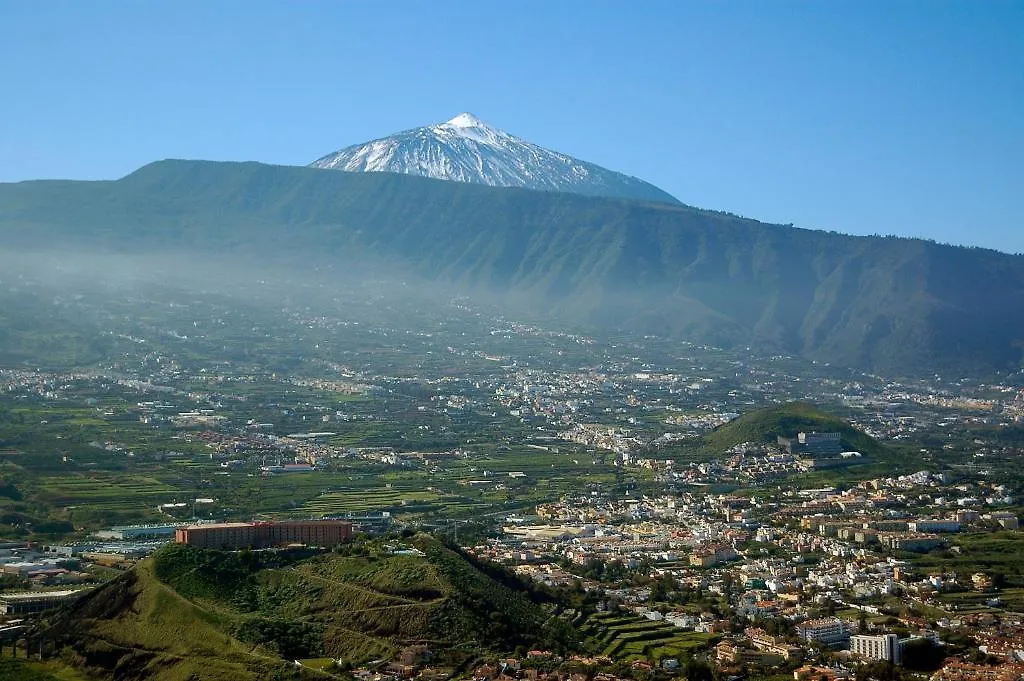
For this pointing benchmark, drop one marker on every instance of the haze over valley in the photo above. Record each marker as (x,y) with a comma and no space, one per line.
(896,306)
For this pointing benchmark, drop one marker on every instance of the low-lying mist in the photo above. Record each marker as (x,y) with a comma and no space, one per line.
(63,309)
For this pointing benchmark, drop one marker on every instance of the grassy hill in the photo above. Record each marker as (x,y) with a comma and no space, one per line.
(765,425)
(898,306)
(217,615)
(34,670)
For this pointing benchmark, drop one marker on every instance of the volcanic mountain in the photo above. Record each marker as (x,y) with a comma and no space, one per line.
(899,307)
(465,149)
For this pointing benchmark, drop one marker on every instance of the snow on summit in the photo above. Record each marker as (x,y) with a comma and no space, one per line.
(466,149)
(465,120)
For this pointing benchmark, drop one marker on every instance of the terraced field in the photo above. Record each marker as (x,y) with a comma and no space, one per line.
(107,491)
(1010,599)
(382,498)
(630,637)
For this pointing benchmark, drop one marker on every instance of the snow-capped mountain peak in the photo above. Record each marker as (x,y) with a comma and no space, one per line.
(465,120)
(466,149)
(470,127)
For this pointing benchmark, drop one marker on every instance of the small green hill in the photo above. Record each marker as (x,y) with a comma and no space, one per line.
(199,614)
(765,425)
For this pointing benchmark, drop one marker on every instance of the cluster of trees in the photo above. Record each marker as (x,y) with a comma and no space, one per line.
(288,638)
(488,602)
(607,572)
(222,575)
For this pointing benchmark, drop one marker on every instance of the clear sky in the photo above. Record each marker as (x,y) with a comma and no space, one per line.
(887,117)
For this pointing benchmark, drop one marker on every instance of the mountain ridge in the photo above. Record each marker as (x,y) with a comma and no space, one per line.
(465,149)
(885,304)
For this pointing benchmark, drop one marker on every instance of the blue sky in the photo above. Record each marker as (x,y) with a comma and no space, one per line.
(863,117)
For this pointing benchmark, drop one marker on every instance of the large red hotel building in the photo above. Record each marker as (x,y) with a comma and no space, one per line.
(258,535)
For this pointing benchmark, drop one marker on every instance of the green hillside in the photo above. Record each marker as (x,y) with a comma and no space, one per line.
(20,669)
(219,615)
(786,420)
(897,306)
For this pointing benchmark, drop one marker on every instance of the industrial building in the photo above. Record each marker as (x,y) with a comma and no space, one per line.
(813,445)
(126,532)
(35,601)
(325,533)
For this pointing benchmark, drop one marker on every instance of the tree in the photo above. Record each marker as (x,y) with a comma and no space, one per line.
(698,669)
(659,592)
(920,654)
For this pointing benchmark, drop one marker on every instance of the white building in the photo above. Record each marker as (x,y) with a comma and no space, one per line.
(885,647)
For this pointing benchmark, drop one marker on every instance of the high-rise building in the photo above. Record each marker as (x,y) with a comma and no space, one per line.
(885,647)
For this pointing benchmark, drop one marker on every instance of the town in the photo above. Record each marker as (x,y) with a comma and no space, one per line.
(704,512)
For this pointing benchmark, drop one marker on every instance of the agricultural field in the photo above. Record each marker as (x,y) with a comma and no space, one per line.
(115,469)
(385,498)
(967,602)
(629,637)
(102,490)
(998,554)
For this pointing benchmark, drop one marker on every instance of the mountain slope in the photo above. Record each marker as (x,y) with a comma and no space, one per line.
(896,306)
(222,615)
(465,149)
(137,627)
